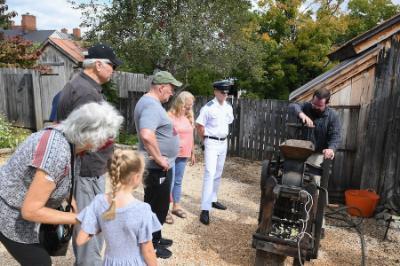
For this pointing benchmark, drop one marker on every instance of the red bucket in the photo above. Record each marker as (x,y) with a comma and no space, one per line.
(364,200)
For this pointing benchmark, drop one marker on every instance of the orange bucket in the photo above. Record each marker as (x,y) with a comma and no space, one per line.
(364,200)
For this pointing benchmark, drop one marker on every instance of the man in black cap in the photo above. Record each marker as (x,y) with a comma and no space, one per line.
(85,87)
(213,127)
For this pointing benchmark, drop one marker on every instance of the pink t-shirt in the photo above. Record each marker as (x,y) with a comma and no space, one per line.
(185,132)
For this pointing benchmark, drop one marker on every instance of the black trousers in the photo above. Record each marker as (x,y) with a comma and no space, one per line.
(26,254)
(157,191)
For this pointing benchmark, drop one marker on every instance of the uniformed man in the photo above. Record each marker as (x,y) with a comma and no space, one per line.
(212,125)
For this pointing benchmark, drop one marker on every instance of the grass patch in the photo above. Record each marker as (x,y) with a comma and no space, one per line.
(11,137)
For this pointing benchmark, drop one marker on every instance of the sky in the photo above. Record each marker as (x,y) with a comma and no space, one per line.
(50,14)
(55,14)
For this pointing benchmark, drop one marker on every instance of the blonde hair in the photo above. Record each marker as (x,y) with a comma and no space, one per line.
(179,103)
(121,167)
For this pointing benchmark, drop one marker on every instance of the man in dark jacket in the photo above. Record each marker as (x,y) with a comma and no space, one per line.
(325,121)
(85,87)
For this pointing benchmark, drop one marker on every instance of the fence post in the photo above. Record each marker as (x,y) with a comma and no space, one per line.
(37,100)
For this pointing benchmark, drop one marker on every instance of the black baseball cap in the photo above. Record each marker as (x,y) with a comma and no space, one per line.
(102,51)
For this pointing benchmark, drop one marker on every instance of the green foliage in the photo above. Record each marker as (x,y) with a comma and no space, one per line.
(127,139)
(110,92)
(251,95)
(273,50)
(11,136)
(200,80)
(366,14)
(5,16)
(197,41)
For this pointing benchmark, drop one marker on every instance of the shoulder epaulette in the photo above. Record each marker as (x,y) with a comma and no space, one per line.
(210,103)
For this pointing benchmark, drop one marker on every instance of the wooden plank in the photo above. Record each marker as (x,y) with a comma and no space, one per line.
(37,99)
(262,131)
(336,82)
(241,128)
(382,35)
(3,95)
(388,182)
(357,83)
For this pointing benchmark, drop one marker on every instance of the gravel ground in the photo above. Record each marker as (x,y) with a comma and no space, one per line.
(227,240)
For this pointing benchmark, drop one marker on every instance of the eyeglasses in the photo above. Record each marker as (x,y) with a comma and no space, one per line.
(111,65)
(108,62)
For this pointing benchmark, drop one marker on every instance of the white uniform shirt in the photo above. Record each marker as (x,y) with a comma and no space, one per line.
(215,118)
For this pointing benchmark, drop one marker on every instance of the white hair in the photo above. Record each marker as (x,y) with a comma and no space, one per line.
(90,62)
(93,124)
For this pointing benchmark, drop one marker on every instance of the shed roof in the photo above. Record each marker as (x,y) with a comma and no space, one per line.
(338,69)
(68,47)
(367,40)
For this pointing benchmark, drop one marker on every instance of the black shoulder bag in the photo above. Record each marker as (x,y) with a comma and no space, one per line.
(55,237)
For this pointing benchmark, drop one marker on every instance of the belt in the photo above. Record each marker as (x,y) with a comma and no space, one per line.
(211,137)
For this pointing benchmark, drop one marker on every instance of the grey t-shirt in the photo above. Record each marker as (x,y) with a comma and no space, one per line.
(133,225)
(150,114)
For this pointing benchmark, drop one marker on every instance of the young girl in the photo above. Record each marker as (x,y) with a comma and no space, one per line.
(126,223)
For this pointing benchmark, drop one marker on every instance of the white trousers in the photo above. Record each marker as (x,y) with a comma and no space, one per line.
(214,159)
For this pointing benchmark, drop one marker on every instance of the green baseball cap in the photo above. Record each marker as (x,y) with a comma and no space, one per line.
(164,77)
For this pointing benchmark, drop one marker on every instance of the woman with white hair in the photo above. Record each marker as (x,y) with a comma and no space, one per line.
(37,178)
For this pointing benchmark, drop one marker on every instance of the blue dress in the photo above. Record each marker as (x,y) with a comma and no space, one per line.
(133,225)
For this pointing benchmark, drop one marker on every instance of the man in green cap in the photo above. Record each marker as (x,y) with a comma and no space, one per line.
(160,144)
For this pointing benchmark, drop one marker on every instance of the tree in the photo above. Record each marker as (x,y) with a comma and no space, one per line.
(18,52)
(366,14)
(5,16)
(297,41)
(186,37)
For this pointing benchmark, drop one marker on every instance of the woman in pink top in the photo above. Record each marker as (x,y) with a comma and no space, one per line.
(181,113)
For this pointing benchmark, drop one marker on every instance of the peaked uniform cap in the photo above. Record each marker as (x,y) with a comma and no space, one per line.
(223,85)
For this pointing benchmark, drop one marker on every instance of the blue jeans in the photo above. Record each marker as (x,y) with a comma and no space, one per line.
(177,174)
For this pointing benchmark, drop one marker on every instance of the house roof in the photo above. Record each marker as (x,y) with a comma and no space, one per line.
(68,47)
(38,36)
(62,35)
(336,70)
(367,40)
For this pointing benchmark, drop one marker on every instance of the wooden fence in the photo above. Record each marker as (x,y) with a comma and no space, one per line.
(26,95)
(18,90)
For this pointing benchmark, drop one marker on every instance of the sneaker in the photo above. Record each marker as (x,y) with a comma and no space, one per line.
(163,253)
(165,242)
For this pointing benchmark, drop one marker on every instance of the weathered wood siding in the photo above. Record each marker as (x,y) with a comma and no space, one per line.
(380,149)
(127,82)
(62,69)
(17,91)
(26,95)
